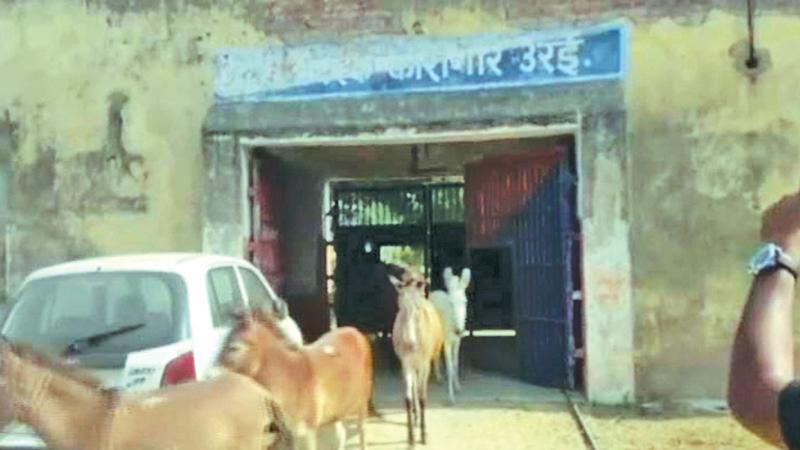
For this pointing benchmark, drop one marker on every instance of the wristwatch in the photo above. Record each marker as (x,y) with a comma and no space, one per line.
(771,257)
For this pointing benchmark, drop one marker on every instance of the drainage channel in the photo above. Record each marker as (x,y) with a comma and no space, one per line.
(586,434)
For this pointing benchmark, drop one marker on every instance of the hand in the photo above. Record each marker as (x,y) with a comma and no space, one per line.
(780,224)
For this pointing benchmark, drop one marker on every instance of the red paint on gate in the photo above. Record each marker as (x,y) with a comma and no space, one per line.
(264,248)
(500,186)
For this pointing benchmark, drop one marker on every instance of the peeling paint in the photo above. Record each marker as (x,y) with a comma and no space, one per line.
(711,149)
(61,62)
(608,307)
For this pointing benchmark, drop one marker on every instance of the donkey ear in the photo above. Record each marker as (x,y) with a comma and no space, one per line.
(395,282)
(447,275)
(281,308)
(237,313)
(466,276)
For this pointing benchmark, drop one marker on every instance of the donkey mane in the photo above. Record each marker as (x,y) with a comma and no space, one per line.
(269,321)
(263,318)
(27,352)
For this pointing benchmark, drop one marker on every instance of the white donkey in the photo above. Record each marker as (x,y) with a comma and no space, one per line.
(452,307)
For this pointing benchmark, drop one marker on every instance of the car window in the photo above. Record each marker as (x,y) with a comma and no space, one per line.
(224,295)
(159,299)
(71,300)
(256,292)
(53,312)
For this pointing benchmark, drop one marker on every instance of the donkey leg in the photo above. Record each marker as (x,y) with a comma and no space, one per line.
(422,403)
(361,438)
(409,424)
(448,355)
(409,379)
(423,400)
(457,365)
(415,398)
(415,407)
(306,439)
(437,369)
(331,437)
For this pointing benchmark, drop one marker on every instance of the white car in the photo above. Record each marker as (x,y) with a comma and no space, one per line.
(138,322)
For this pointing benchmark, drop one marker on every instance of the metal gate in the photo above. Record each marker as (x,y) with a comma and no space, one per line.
(525,202)
(263,245)
(428,216)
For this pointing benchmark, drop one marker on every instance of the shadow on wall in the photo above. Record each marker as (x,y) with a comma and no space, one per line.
(698,376)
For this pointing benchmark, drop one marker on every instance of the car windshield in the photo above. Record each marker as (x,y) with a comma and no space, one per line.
(52,313)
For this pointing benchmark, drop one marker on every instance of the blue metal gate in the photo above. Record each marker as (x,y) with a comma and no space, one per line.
(525,202)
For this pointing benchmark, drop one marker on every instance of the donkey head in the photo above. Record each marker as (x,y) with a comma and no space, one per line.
(409,289)
(255,332)
(240,351)
(457,292)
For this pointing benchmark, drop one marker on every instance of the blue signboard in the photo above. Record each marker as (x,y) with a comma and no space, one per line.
(382,65)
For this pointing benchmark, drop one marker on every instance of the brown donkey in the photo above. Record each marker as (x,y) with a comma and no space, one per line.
(70,410)
(418,339)
(317,384)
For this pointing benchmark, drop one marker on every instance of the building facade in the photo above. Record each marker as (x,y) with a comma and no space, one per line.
(123,129)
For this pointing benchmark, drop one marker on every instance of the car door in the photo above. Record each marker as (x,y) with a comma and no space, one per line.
(257,290)
(224,295)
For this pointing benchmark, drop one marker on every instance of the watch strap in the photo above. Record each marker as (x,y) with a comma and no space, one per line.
(783,261)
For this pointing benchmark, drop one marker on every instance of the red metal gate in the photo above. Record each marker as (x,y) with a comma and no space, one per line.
(266,194)
(523,202)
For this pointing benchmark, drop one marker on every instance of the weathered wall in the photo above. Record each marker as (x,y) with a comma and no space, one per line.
(225,221)
(710,150)
(301,19)
(109,110)
(609,306)
(7,150)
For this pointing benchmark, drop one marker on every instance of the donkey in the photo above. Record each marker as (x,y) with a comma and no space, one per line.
(452,308)
(317,385)
(70,410)
(417,340)
(333,435)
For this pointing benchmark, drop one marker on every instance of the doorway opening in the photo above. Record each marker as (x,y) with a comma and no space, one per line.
(505,208)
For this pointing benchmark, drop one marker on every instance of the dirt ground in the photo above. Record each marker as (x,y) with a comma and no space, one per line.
(626,430)
(481,426)
(507,426)
(500,413)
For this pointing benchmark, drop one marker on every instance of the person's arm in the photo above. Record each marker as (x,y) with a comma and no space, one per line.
(762,362)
